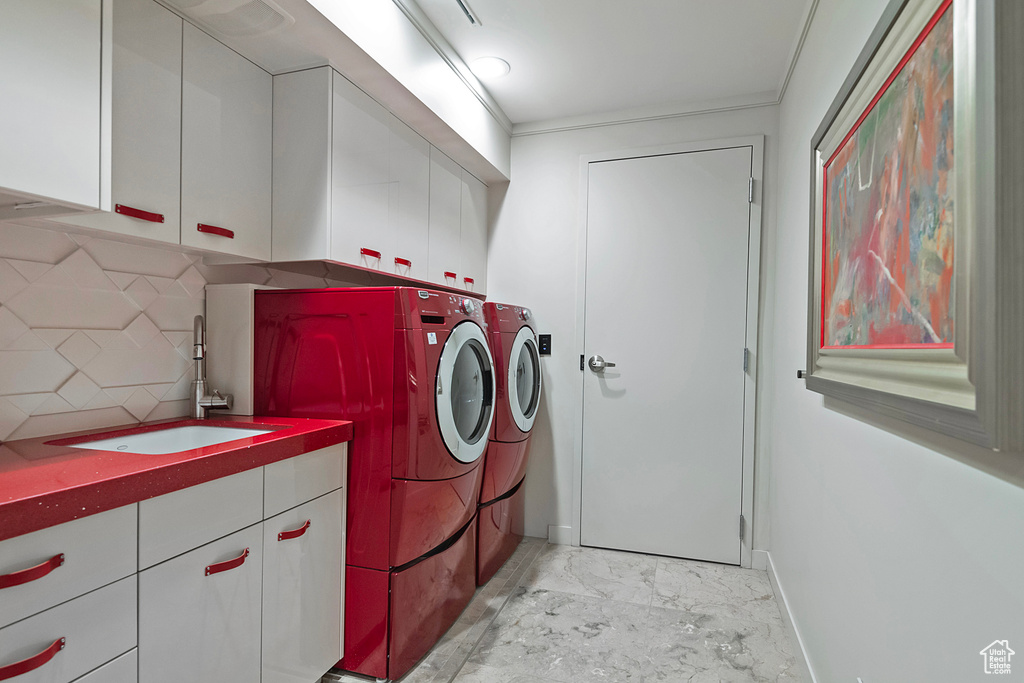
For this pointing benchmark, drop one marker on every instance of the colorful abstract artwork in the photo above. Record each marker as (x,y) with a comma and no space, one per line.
(887,249)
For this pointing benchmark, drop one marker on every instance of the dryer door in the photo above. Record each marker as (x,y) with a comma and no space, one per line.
(524,379)
(465,392)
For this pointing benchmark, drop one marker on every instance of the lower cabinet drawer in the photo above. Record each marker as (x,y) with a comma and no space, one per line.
(50,566)
(67,641)
(199,613)
(124,669)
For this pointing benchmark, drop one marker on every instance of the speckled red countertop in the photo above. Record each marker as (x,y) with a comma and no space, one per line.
(46,481)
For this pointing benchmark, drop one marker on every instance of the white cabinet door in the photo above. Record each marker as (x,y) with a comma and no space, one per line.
(361,231)
(410,200)
(226,149)
(445,219)
(303,590)
(302,165)
(473,234)
(195,625)
(146,140)
(50,72)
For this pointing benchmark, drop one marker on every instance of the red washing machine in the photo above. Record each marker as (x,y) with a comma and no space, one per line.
(412,369)
(513,341)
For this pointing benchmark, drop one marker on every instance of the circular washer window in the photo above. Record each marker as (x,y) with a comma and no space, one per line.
(465,392)
(524,379)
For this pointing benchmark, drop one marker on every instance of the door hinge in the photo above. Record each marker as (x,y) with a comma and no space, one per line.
(746,359)
(750,191)
(743,526)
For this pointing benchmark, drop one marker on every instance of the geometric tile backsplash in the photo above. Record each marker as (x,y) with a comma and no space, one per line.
(93,332)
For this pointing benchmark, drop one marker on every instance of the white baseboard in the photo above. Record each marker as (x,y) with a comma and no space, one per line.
(759,559)
(787,618)
(560,535)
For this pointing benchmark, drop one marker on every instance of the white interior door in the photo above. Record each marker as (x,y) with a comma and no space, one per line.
(666,292)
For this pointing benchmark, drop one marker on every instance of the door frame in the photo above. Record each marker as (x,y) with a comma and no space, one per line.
(756,143)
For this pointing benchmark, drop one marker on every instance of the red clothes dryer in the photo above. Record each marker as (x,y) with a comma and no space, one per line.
(513,341)
(411,368)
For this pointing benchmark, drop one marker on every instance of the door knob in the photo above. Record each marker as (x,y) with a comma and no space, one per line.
(597,364)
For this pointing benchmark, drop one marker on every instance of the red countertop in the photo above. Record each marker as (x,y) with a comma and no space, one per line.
(47,481)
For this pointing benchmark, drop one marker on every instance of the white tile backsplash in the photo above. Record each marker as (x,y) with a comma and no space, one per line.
(90,330)
(97,332)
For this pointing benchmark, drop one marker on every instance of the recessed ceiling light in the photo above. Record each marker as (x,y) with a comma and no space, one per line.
(490,67)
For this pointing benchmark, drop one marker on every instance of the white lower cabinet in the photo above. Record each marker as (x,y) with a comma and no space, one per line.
(263,601)
(50,566)
(124,669)
(67,641)
(199,613)
(302,596)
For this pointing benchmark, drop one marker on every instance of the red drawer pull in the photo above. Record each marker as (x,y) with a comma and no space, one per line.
(369,252)
(468,280)
(32,573)
(294,533)
(403,262)
(449,274)
(214,230)
(139,213)
(229,564)
(33,662)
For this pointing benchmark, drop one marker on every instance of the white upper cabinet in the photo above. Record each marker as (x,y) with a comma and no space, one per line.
(351,181)
(445,220)
(302,165)
(473,234)
(410,200)
(226,143)
(146,111)
(51,84)
(361,230)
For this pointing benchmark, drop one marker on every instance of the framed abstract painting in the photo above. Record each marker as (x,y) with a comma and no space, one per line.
(916,299)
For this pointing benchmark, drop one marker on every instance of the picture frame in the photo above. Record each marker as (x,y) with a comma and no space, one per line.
(906,338)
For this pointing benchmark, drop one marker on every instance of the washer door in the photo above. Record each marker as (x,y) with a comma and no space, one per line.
(524,379)
(465,392)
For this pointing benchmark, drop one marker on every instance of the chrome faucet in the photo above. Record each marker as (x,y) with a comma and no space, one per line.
(201,401)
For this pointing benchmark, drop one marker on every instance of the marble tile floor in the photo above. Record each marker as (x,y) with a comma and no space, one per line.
(558,614)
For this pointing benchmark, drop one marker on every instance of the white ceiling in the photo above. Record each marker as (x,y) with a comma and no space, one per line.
(580,58)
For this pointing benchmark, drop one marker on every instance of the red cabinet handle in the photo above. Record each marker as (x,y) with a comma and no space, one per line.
(449,274)
(32,573)
(369,252)
(214,230)
(229,564)
(33,662)
(294,533)
(139,213)
(403,262)
(468,280)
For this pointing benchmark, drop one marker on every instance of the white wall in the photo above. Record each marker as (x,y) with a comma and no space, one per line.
(532,262)
(899,562)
